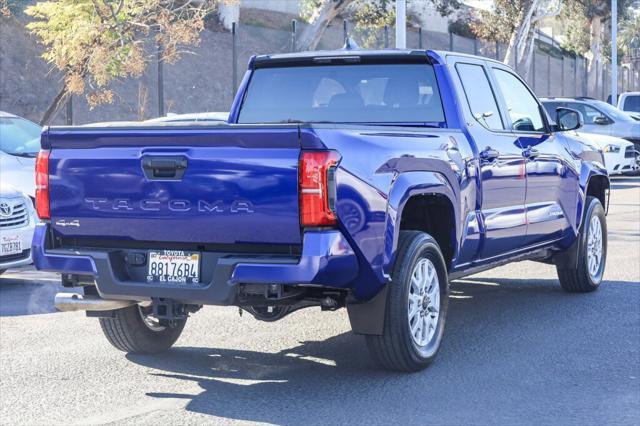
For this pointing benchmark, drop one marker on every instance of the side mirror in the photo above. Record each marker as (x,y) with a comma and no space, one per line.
(601,120)
(568,119)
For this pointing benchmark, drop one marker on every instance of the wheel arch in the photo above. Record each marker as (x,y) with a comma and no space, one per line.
(368,317)
(594,181)
(430,192)
(597,187)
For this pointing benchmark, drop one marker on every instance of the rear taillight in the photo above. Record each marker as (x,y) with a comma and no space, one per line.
(318,188)
(42,185)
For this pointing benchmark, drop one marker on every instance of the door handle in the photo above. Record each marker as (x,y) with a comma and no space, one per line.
(531,153)
(489,154)
(164,168)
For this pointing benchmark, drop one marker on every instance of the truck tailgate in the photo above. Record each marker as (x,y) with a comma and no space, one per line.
(209,185)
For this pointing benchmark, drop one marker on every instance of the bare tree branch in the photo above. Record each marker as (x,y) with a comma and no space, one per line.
(313,33)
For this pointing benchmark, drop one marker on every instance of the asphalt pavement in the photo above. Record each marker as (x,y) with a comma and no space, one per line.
(517,350)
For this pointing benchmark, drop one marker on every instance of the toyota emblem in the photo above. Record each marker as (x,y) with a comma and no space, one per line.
(6,209)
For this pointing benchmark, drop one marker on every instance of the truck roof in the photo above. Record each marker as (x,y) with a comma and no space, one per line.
(347,55)
(567,98)
(338,56)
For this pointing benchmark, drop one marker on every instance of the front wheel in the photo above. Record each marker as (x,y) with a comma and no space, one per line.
(133,330)
(585,274)
(417,302)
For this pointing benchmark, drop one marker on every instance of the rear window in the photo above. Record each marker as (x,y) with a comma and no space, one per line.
(632,103)
(380,93)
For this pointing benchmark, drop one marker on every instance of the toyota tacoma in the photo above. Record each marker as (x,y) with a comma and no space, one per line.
(359,179)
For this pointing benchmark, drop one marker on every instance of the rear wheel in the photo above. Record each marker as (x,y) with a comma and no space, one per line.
(133,330)
(416,308)
(585,274)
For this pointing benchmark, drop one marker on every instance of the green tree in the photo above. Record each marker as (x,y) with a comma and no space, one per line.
(630,33)
(368,17)
(588,25)
(93,42)
(576,27)
(319,14)
(514,22)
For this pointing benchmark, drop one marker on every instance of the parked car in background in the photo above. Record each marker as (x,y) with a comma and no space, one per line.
(599,117)
(17,223)
(197,117)
(209,117)
(620,155)
(111,124)
(630,102)
(19,145)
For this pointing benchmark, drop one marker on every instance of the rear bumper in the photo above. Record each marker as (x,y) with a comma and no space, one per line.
(327,260)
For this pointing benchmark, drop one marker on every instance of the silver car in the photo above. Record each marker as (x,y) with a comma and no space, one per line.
(207,117)
(17,223)
(599,117)
(19,146)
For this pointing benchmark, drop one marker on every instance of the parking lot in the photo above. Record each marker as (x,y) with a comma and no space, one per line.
(517,350)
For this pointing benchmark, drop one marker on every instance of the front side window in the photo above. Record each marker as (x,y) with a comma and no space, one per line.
(479,95)
(522,106)
(589,113)
(367,93)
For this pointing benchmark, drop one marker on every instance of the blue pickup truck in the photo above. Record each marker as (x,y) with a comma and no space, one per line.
(359,179)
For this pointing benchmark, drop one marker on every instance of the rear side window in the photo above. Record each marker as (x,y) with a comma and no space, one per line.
(523,107)
(632,103)
(368,93)
(479,95)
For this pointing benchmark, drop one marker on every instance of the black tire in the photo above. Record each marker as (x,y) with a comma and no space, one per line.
(396,348)
(574,275)
(128,332)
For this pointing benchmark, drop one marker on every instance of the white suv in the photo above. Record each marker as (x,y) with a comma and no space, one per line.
(630,102)
(17,223)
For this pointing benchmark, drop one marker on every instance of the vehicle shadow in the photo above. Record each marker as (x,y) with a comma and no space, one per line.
(501,335)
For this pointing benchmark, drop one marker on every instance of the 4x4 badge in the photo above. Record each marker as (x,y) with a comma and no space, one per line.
(62,222)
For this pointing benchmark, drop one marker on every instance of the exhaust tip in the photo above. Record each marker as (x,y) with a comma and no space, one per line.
(69,302)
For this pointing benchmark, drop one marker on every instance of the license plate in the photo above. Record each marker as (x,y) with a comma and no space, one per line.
(10,245)
(174,266)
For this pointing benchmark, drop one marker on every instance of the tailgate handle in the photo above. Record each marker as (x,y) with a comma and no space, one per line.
(160,168)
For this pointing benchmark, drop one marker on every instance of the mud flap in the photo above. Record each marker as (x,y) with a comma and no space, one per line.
(568,259)
(368,317)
